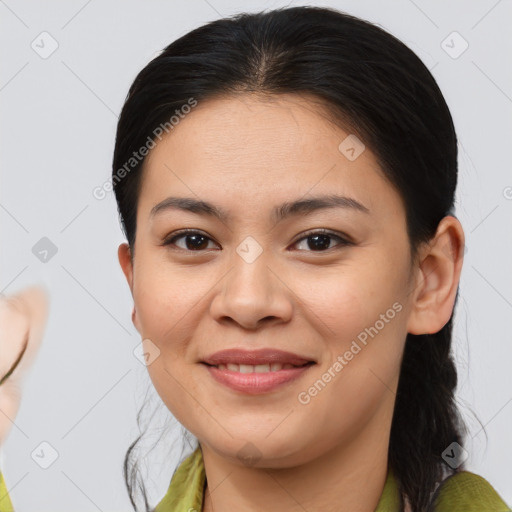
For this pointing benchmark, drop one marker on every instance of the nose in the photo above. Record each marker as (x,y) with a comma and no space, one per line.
(253,294)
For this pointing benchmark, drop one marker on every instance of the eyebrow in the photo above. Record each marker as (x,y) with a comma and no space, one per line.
(285,210)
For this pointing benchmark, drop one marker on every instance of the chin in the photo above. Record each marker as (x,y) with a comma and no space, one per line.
(259,450)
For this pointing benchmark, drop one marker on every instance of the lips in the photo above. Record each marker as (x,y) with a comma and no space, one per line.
(257,371)
(266,356)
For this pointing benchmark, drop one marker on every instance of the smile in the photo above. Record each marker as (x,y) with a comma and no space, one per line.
(256,379)
(258,368)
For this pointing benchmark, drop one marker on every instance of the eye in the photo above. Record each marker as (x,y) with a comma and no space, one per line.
(320,240)
(194,240)
(317,241)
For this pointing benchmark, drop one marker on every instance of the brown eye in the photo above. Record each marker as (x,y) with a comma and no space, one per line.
(320,241)
(193,241)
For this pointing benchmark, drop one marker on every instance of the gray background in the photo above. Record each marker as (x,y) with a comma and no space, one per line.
(58,123)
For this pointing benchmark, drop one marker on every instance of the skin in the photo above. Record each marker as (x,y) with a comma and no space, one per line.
(23,319)
(247,154)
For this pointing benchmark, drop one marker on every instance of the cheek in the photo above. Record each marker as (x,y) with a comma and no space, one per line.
(169,309)
(166,298)
(361,317)
(346,300)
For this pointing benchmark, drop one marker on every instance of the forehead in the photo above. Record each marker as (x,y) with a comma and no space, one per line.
(250,149)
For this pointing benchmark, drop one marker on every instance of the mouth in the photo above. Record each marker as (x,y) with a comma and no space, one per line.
(258,371)
(259,368)
(260,357)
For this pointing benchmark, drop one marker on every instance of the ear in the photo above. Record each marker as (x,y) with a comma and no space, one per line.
(437,278)
(125,260)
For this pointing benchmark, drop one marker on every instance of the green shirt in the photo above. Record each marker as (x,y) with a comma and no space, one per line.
(463,492)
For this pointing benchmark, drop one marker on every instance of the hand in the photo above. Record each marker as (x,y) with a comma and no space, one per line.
(22,322)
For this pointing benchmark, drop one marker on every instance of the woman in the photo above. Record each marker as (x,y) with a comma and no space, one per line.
(285,182)
(300,200)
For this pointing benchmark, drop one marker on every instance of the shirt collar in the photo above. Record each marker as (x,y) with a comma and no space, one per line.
(187,485)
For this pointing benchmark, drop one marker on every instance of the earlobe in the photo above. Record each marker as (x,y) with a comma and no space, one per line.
(438,279)
(135,319)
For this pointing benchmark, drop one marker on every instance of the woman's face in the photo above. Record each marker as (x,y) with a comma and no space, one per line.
(263,277)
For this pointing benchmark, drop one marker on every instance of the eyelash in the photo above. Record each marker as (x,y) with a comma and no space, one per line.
(343,242)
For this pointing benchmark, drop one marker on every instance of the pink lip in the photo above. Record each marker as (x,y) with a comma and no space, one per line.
(253,357)
(256,383)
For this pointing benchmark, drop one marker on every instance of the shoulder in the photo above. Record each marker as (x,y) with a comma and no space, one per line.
(467,492)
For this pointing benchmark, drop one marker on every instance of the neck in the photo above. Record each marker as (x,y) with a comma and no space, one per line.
(348,477)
